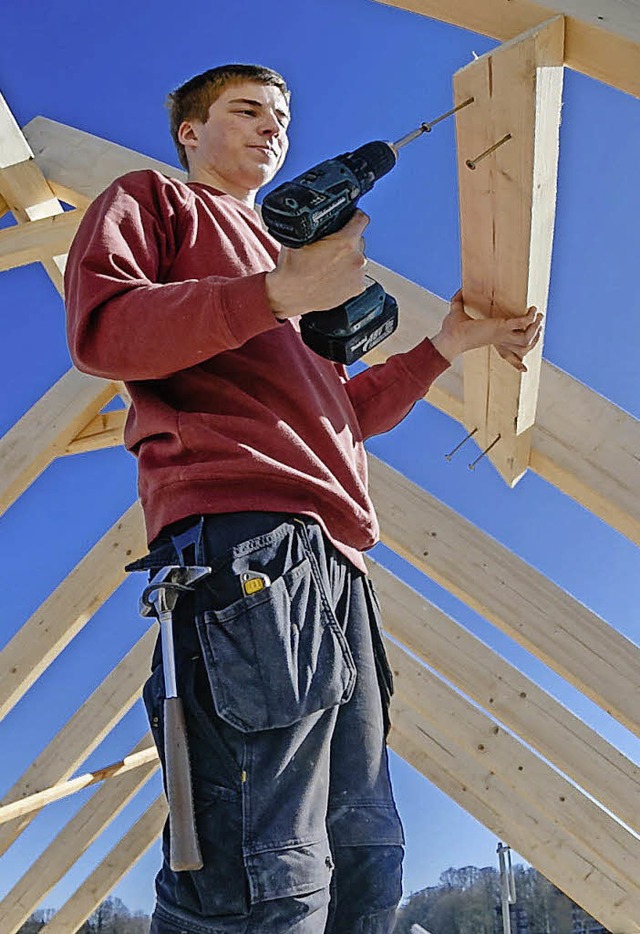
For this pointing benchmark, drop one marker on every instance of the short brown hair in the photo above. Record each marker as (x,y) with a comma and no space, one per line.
(192,100)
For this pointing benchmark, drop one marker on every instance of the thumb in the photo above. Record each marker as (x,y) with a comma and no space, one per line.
(356,225)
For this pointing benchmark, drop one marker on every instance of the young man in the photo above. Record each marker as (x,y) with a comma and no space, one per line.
(251,460)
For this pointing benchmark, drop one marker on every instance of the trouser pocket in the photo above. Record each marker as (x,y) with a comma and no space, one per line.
(277,655)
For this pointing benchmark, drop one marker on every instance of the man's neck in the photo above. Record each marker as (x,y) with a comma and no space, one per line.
(208,177)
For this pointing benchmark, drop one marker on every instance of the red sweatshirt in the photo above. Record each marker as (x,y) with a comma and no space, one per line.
(230,411)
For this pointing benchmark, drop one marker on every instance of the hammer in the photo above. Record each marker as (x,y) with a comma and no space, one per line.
(161,597)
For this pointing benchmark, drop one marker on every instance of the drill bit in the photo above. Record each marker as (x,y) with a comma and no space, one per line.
(426,127)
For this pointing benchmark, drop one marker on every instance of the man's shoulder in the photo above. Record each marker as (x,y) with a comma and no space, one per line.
(141,181)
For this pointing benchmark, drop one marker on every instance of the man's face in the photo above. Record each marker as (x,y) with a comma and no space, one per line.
(244,140)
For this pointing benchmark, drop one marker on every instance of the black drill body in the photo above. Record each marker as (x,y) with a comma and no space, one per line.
(318,203)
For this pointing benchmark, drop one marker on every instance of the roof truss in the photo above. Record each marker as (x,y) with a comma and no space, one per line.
(602,36)
(570,834)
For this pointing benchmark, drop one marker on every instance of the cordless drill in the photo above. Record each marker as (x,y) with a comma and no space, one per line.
(320,202)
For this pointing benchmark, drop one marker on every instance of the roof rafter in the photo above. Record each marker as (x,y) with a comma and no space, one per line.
(83,732)
(455,771)
(73,840)
(509,696)
(602,36)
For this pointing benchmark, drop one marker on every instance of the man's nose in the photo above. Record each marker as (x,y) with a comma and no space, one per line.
(270,127)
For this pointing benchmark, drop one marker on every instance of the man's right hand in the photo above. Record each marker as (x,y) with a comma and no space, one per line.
(322,275)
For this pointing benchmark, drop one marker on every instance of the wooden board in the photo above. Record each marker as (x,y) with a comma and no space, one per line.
(602,36)
(46,429)
(542,792)
(83,732)
(42,239)
(509,696)
(492,802)
(507,210)
(133,845)
(71,842)
(521,601)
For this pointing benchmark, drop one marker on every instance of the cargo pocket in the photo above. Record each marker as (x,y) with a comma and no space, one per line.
(277,655)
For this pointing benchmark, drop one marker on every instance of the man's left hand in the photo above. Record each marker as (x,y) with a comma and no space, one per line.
(513,338)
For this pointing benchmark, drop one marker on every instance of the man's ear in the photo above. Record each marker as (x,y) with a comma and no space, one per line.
(188,133)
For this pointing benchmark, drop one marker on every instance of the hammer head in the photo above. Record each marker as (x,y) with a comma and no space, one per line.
(163,590)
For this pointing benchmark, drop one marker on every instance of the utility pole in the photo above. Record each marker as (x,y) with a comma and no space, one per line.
(507,886)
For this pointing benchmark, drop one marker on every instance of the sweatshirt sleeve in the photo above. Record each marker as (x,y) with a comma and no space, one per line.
(383,394)
(123,321)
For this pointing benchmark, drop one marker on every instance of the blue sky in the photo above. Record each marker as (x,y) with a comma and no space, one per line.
(358,71)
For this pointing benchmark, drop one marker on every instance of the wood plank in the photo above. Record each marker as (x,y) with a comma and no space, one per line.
(29,243)
(541,792)
(133,845)
(590,449)
(69,608)
(83,165)
(46,429)
(83,732)
(72,841)
(516,598)
(602,36)
(507,213)
(37,801)
(509,696)
(491,802)
(27,193)
(24,188)
(13,146)
(106,430)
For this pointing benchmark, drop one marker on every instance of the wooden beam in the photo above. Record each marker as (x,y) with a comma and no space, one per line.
(37,801)
(46,429)
(602,38)
(24,188)
(509,696)
(507,212)
(72,841)
(520,601)
(83,732)
(113,867)
(80,165)
(106,430)
(69,608)
(29,243)
(492,802)
(541,792)
(581,442)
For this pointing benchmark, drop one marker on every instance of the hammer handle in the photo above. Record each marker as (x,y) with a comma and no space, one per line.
(184,846)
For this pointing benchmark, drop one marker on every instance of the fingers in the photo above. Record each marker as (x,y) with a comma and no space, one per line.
(511,357)
(355,227)
(523,333)
(520,336)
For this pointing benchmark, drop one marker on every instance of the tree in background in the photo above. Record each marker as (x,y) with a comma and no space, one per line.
(467,901)
(111,917)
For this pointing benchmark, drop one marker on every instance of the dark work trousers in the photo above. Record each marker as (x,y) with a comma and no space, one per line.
(286,695)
